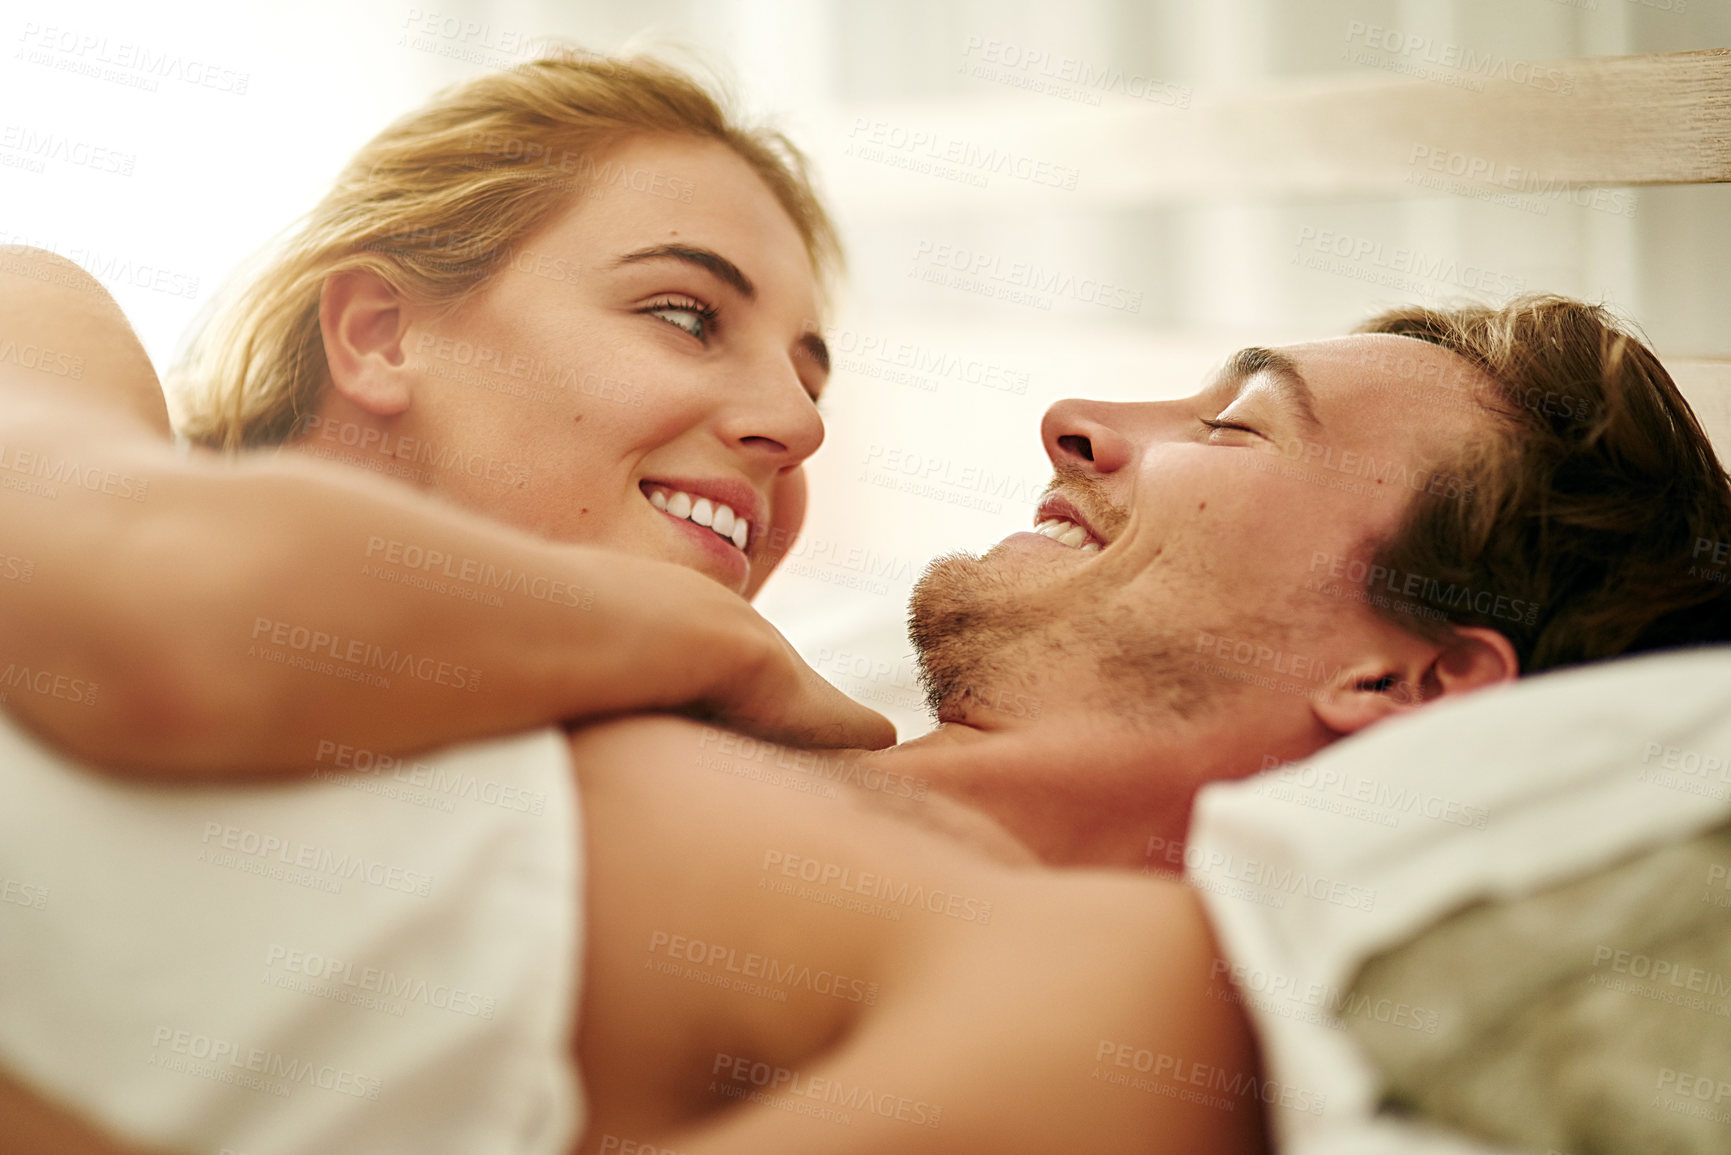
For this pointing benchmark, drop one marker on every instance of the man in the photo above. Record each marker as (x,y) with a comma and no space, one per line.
(1512,472)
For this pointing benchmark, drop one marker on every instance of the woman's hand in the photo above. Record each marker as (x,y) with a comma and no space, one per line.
(755,681)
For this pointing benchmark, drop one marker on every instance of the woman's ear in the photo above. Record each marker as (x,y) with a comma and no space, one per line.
(1470,659)
(364,325)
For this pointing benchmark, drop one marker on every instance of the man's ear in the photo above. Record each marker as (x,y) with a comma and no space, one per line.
(1471,658)
(364,324)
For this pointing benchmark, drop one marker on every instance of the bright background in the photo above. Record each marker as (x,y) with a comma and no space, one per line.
(934,411)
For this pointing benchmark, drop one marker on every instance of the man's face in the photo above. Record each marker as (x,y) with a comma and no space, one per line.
(1189,559)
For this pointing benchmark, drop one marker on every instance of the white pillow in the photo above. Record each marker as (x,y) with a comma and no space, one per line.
(1307,870)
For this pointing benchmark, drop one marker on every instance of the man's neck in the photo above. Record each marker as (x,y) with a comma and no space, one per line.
(1071,800)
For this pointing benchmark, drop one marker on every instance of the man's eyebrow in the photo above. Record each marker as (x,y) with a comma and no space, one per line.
(1289,383)
(708,259)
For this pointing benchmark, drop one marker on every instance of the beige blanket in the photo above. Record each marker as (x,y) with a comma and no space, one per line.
(1589,1018)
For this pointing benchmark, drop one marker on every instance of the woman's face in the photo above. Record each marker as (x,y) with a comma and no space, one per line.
(642,374)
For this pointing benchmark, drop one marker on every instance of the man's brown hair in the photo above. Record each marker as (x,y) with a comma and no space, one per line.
(1590,501)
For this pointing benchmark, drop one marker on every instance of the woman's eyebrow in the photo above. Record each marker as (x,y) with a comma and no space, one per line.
(708,259)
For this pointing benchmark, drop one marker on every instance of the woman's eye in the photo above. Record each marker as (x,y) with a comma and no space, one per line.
(691,316)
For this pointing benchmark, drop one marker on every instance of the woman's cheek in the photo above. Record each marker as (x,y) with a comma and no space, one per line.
(787,503)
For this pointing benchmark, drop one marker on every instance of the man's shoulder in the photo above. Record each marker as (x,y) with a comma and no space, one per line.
(632,738)
(860,780)
(650,740)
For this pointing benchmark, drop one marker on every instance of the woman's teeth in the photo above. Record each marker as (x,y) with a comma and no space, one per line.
(704,512)
(1068,533)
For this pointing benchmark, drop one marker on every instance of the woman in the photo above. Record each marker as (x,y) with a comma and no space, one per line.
(573,297)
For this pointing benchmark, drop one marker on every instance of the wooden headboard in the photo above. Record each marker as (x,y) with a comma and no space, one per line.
(1590,129)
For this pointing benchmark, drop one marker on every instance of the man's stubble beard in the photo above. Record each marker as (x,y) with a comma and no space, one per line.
(989,631)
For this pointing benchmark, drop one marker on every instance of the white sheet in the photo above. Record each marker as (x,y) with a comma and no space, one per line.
(1309,870)
(381,961)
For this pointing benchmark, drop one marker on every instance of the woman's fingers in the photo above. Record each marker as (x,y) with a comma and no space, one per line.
(768,691)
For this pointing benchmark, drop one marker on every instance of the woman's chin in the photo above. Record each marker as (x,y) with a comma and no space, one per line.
(708,553)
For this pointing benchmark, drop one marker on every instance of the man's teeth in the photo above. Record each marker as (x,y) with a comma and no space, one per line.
(1068,533)
(704,512)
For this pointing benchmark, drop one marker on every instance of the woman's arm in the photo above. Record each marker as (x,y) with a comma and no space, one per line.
(198,617)
(31,1125)
(61,331)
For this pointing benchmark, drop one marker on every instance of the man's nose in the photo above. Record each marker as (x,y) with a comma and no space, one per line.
(1084,435)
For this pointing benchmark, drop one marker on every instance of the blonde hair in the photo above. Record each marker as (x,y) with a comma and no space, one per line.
(436,202)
